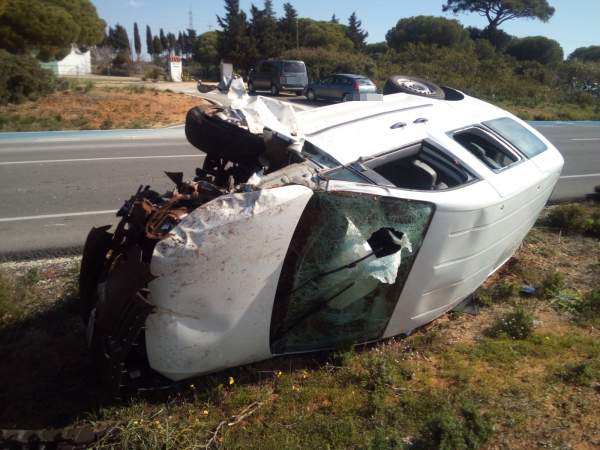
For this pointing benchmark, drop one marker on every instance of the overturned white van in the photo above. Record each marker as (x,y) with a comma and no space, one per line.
(307,231)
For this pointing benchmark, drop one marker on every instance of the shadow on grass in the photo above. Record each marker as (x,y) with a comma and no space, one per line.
(46,375)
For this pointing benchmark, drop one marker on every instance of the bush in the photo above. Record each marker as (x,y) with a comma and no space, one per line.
(552,285)
(589,306)
(586,54)
(321,62)
(581,374)
(22,78)
(427,30)
(448,431)
(568,218)
(536,48)
(517,324)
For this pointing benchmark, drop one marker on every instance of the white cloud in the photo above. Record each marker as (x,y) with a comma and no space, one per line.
(135,3)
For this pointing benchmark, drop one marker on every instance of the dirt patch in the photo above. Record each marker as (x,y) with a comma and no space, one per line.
(99,108)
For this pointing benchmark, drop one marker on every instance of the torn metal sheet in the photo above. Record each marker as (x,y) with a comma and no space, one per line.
(310,231)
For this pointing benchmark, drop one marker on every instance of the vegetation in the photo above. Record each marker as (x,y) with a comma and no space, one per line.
(574,219)
(498,12)
(22,78)
(426,30)
(452,385)
(536,48)
(48,28)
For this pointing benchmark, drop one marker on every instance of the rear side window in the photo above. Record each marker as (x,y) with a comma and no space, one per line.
(365,82)
(487,149)
(519,136)
(294,67)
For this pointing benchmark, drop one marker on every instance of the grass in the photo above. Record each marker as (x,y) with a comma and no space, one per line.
(451,385)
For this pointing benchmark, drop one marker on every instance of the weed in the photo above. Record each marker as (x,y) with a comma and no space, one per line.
(137,124)
(106,124)
(450,431)
(89,85)
(582,373)
(517,324)
(552,285)
(497,293)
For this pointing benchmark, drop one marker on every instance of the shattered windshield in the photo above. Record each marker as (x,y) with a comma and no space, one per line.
(319,306)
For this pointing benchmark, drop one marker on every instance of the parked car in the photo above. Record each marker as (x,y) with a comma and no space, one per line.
(278,75)
(342,86)
(308,231)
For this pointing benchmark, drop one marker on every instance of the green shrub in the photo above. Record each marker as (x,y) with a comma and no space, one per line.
(321,62)
(517,324)
(568,218)
(22,78)
(582,373)
(468,430)
(589,306)
(552,285)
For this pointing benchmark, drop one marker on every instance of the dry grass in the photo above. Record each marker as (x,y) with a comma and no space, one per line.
(448,386)
(98,108)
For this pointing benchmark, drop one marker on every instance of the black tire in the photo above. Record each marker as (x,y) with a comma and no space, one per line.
(344,98)
(414,86)
(299,93)
(251,89)
(310,95)
(274,90)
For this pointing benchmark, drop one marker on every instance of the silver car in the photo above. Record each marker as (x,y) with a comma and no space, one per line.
(342,86)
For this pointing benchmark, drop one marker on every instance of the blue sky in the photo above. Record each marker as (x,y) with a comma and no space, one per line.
(575,23)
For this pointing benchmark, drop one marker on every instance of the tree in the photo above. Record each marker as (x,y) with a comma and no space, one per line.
(498,38)
(48,28)
(429,30)
(334,19)
(137,41)
(233,36)
(586,54)
(536,48)
(288,26)
(163,40)
(324,34)
(157,47)
(118,39)
(172,40)
(264,31)
(149,41)
(356,34)
(499,11)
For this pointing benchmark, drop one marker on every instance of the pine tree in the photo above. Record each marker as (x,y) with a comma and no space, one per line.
(149,41)
(334,19)
(172,40)
(163,40)
(137,41)
(288,26)
(157,47)
(233,36)
(356,33)
(119,40)
(264,31)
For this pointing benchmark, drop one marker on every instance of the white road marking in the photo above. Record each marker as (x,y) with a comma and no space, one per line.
(587,175)
(56,216)
(586,139)
(115,158)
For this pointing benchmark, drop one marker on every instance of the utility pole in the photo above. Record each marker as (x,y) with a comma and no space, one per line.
(297,34)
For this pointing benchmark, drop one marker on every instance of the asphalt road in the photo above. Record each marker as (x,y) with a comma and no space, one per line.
(55,186)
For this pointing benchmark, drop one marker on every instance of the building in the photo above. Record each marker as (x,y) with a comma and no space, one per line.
(75,63)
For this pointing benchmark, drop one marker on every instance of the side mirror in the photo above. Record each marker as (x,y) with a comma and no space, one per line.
(386,242)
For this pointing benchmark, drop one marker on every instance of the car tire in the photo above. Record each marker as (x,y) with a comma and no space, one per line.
(299,93)
(310,95)
(251,88)
(414,86)
(344,98)
(274,90)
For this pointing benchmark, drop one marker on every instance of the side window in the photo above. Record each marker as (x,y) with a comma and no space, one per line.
(519,136)
(333,290)
(420,166)
(328,80)
(486,148)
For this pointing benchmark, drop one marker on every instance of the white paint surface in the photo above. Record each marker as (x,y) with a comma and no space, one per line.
(217,278)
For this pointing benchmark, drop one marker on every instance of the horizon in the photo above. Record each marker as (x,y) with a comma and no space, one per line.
(568,26)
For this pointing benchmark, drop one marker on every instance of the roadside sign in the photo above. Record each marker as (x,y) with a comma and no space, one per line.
(175,68)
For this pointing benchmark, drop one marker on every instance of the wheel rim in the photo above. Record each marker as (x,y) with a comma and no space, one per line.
(310,95)
(251,86)
(415,86)
(274,90)
(344,98)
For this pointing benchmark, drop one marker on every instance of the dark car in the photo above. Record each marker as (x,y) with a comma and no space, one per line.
(277,75)
(341,86)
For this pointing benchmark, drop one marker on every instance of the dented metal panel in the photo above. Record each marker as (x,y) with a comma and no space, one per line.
(216,280)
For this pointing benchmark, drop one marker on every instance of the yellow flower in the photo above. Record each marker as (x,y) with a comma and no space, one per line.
(279,373)
(205,412)
(231,380)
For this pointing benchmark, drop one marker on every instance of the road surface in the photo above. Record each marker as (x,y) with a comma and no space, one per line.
(55,186)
